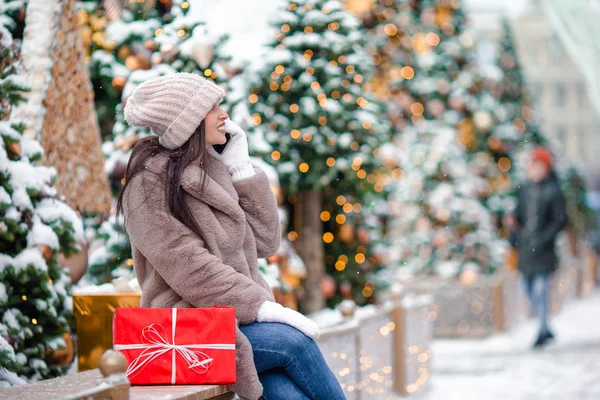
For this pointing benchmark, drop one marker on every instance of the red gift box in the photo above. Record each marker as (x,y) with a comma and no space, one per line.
(183,346)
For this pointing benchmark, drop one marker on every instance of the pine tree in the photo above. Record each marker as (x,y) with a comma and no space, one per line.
(389,24)
(513,93)
(12,17)
(440,226)
(324,131)
(35,226)
(8,360)
(145,40)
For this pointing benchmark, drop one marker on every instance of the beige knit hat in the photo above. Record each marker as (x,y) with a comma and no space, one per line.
(173,106)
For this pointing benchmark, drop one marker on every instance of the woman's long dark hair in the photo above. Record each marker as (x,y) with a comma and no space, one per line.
(192,151)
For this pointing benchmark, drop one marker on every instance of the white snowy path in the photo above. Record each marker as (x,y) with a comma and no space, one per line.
(504,367)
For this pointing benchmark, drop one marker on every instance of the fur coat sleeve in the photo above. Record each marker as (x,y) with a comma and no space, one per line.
(181,258)
(260,206)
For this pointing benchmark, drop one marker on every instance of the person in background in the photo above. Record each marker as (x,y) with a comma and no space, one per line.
(539,217)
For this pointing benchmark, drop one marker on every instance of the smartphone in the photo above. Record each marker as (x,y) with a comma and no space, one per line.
(220,148)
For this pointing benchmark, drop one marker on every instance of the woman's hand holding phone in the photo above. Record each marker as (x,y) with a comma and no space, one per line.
(235,156)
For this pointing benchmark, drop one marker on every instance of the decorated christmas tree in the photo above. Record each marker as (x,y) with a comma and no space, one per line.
(389,25)
(12,17)
(8,360)
(323,132)
(35,227)
(135,42)
(513,93)
(432,73)
(440,226)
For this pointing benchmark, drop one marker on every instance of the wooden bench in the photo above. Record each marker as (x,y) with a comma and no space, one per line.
(110,384)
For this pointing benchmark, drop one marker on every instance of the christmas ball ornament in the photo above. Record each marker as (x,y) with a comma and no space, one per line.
(129,143)
(507,61)
(483,121)
(14,149)
(495,144)
(466,132)
(47,252)
(328,287)
(124,52)
(440,240)
(132,63)
(147,4)
(150,45)
(363,235)
(436,108)
(346,289)
(466,40)
(119,143)
(456,103)
(428,16)
(168,51)
(121,285)
(422,224)
(203,53)
(443,86)
(156,58)
(420,44)
(443,215)
(346,232)
(112,363)
(347,308)
(468,277)
(360,7)
(118,82)
(443,15)
(77,263)
(64,356)
(119,170)
(143,55)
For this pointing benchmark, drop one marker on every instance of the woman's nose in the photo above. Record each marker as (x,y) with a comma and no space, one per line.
(224,115)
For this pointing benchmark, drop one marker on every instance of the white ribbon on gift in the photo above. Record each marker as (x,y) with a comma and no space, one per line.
(156,345)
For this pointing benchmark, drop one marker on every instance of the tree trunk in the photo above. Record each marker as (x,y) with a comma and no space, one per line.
(310,231)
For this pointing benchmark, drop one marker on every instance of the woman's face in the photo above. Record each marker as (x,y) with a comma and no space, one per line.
(215,126)
(537,171)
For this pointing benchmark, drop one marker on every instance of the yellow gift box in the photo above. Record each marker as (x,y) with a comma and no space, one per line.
(94,315)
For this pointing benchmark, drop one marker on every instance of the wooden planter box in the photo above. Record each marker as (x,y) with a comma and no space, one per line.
(589,270)
(381,352)
(339,345)
(412,344)
(94,315)
(460,310)
(376,341)
(564,287)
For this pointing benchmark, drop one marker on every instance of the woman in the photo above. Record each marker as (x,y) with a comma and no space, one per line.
(198,220)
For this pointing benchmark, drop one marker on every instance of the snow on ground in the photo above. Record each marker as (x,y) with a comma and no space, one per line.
(505,367)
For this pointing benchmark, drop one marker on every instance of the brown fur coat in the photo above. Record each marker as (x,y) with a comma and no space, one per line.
(176,268)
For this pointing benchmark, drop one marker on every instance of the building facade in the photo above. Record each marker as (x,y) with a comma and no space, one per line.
(556,84)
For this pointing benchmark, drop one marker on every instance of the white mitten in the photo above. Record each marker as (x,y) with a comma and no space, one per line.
(235,157)
(275,312)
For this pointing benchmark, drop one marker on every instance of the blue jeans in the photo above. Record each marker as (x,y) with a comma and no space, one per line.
(536,287)
(290,365)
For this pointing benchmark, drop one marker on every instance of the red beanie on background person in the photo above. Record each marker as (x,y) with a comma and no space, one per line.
(543,155)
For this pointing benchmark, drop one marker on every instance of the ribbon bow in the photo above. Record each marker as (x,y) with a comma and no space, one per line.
(155,345)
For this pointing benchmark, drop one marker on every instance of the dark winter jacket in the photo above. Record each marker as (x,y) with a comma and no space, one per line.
(541,215)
